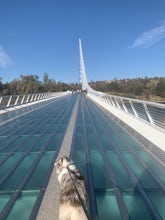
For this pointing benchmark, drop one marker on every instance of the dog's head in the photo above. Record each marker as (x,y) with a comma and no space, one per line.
(61,163)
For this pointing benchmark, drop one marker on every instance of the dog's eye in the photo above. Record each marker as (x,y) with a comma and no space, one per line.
(67,158)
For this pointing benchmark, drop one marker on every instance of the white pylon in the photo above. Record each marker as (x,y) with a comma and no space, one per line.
(83,76)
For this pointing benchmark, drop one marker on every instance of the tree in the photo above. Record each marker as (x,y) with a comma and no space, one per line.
(14,86)
(1,85)
(26,84)
(160,88)
(46,82)
(114,86)
(45,78)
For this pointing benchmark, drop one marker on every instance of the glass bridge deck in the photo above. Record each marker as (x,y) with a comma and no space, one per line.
(124,180)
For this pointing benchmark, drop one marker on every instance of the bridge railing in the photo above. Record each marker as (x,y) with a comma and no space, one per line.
(15,100)
(150,112)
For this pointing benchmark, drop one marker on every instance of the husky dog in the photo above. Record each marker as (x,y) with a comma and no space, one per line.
(73,193)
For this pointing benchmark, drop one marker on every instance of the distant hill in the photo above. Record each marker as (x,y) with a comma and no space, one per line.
(152,89)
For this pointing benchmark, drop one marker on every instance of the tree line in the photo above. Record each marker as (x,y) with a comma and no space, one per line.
(142,88)
(28,84)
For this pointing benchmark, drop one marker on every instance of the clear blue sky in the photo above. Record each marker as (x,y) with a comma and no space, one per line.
(120,38)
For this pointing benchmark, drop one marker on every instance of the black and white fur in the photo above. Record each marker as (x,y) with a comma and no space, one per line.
(70,207)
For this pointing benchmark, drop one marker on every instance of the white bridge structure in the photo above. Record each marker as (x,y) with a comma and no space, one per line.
(118,143)
(147,118)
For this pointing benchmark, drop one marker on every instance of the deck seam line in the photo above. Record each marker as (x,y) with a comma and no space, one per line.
(49,205)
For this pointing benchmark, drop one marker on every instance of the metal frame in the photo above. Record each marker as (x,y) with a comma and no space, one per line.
(150,112)
(15,100)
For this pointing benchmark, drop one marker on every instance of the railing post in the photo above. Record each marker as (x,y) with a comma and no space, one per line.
(105,98)
(16,101)
(22,99)
(8,104)
(32,97)
(110,100)
(39,96)
(27,100)
(123,105)
(35,97)
(133,109)
(1,100)
(117,103)
(148,113)
(42,95)
(113,102)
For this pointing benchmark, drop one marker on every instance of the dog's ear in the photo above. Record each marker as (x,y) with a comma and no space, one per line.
(59,160)
(58,164)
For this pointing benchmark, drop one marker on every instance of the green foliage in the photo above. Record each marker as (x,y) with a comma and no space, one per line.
(27,84)
(160,88)
(135,88)
(1,85)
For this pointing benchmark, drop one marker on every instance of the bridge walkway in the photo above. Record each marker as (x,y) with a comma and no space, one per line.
(125,180)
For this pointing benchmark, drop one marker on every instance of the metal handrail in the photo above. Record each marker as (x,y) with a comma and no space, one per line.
(15,100)
(151,112)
